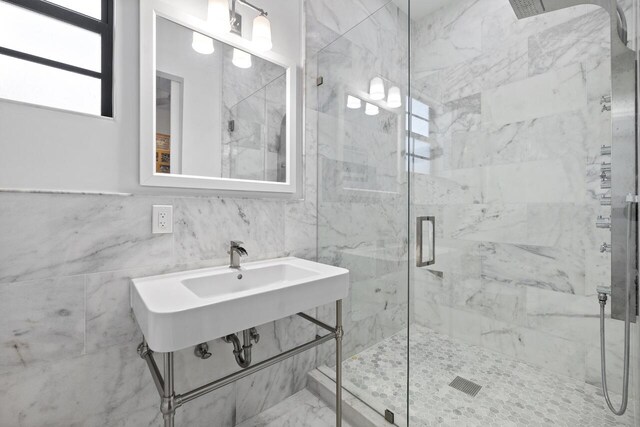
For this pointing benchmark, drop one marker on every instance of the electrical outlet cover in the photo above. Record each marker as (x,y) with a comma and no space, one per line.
(162,219)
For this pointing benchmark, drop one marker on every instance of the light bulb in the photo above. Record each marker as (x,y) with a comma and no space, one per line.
(262,33)
(371,110)
(376,89)
(394,100)
(241,59)
(353,102)
(218,15)
(202,44)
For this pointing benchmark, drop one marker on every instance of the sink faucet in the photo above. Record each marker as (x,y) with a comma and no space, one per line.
(235,252)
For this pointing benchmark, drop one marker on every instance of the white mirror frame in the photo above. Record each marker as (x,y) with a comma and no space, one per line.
(149,10)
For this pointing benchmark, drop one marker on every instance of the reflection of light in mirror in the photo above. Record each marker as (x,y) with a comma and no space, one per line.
(218,15)
(395,98)
(262,33)
(241,59)
(376,89)
(371,110)
(202,44)
(353,102)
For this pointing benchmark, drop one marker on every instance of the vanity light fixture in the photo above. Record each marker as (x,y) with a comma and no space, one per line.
(261,36)
(394,100)
(218,15)
(262,33)
(371,110)
(376,89)
(241,59)
(218,18)
(353,103)
(202,44)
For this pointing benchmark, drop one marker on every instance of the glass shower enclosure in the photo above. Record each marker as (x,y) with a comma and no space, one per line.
(477,171)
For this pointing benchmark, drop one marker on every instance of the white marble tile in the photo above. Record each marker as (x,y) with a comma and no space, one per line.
(109,319)
(42,321)
(554,269)
(303,409)
(101,389)
(204,227)
(494,222)
(46,236)
(267,388)
(559,180)
(216,409)
(580,39)
(496,300)
(513,392)
(554,92)
(572,317)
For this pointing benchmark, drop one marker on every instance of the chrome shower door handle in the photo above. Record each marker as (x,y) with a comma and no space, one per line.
(428,233)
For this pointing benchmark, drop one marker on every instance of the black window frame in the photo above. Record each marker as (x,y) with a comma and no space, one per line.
(102,27)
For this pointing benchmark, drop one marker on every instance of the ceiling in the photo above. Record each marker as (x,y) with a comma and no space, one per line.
(421,8)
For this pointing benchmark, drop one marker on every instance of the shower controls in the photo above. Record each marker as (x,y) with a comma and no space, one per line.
(605,101)
(605,247)
(605,200)
(605,180)
(602,222)
(605,150)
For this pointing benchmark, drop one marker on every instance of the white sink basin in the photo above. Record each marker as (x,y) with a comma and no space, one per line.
(180,310)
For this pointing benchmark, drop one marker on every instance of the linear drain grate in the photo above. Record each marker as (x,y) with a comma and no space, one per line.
(466,386)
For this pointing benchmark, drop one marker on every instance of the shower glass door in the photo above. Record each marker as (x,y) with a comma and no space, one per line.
(507,138)
(516,134)
(363,197)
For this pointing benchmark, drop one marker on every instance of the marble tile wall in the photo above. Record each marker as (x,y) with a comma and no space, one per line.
(517,122)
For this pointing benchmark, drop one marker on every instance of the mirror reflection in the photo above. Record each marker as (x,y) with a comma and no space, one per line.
(220,111)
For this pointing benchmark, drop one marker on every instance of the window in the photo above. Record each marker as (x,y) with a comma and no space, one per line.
(58,53)
(418,146)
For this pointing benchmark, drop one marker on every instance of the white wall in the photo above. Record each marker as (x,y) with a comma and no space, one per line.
(49,149)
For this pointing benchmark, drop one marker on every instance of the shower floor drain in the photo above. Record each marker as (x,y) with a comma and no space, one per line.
(466,386)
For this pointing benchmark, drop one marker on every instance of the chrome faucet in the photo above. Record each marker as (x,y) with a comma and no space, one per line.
(235,252)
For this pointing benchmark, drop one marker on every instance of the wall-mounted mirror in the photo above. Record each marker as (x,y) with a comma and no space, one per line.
(214,113)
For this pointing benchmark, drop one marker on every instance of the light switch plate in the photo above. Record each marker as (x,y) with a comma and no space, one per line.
(162,219)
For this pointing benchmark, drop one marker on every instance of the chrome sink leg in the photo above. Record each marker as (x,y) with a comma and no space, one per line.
(339,335)
(168,402)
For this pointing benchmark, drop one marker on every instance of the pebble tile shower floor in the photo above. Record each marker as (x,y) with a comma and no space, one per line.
(513,393)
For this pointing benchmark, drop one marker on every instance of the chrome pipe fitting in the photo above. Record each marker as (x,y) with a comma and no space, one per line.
(602,298)
(242,353)
(202,351)
(605,247)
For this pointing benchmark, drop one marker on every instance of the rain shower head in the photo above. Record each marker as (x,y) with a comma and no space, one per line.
(528,8)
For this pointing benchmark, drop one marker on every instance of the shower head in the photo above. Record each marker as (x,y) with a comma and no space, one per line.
(528,8)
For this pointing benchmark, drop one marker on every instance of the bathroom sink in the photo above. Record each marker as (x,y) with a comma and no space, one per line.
(179,310)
